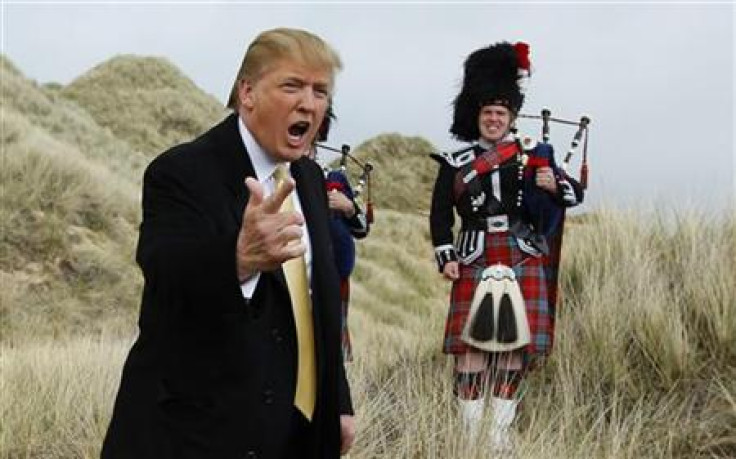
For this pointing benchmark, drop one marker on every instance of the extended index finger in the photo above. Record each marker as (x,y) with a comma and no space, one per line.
(255,191)
(273,203)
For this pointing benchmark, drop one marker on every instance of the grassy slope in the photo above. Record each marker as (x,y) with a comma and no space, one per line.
(145,100)
(71,190)
(70,206)
(644,364)
(403,171)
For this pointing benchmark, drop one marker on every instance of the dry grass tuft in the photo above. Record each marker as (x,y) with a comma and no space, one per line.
(404,173)
(146,101)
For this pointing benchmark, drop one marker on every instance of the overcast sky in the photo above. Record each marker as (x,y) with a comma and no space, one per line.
(656,79)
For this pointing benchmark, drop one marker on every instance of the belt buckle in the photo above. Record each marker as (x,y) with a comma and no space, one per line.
(498,272)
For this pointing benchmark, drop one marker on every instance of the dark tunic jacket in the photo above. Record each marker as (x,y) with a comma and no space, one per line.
(538,214)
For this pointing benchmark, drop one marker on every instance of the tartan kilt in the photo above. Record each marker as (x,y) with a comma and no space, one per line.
(502,248)
(347,349)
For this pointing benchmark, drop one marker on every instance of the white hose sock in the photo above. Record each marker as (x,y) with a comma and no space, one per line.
(472,413)
(504,412)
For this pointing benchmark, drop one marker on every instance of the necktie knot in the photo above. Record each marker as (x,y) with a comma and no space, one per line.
(280,175)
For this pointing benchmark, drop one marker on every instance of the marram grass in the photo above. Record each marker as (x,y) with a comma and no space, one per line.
(637,369)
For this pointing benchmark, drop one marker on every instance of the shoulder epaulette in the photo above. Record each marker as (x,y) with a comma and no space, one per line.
(456,159)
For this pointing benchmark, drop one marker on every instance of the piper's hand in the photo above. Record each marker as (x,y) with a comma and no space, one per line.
(545,179)
(268,237)
(338,201)
(347,433)
(451,270)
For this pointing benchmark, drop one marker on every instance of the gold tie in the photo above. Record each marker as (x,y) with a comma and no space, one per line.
(295,271)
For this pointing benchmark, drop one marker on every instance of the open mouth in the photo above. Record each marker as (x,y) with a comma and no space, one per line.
(298,130)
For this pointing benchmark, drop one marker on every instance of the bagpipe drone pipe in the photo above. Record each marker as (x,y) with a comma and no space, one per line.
(360,190)
(581,134)
(342,231)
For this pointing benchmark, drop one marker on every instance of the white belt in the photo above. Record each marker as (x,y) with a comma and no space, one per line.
(497,223)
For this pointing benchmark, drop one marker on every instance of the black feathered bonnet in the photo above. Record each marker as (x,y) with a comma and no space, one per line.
(492,76)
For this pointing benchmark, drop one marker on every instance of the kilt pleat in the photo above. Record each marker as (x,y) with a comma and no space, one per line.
(502,248)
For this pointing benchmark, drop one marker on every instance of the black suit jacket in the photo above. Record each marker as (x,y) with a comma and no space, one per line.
(212,375)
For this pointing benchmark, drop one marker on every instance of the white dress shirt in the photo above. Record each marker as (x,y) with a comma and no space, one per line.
(264,167)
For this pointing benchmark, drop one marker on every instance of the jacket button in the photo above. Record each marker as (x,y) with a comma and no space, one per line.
(276,335)
(268,396)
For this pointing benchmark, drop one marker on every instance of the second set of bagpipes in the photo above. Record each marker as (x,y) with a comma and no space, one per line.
(362,190)
(581,135)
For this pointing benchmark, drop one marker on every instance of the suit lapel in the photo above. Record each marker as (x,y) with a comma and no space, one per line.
(234,162)
(235,165)
(310,197)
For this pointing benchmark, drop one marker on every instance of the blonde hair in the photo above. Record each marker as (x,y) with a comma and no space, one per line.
(274,45)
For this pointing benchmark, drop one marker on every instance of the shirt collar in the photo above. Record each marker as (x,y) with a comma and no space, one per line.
(263,164)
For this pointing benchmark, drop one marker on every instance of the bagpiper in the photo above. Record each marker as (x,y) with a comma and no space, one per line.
(348,221)
(511,197)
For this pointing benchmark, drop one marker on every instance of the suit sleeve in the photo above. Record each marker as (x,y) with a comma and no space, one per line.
(181,254)
(442,216)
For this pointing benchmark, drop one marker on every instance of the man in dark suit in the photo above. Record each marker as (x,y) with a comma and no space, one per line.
(229,362)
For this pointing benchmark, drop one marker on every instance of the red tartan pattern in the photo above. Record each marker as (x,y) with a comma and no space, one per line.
(502,248)
(487,162)
(347,348)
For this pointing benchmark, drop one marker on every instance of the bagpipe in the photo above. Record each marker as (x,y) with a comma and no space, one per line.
(363,186)
(554,238)
(549,216)
(581,134)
